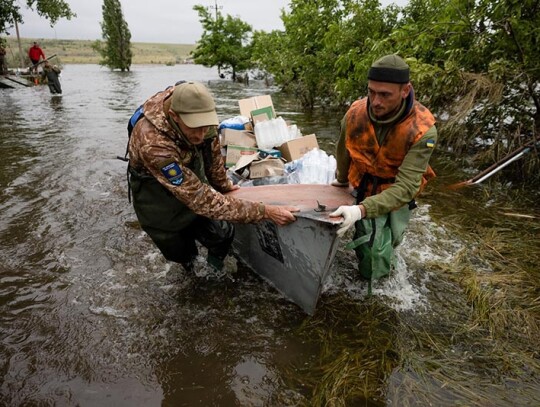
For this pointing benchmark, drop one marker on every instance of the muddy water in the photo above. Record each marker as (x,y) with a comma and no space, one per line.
(92,315)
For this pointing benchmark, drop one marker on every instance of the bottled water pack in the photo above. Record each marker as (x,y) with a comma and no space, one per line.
(274,132)
(314,167)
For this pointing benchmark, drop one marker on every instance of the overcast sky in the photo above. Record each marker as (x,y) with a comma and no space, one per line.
(172,21)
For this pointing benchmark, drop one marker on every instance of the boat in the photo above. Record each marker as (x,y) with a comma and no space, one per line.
(14,82)
(23,78)
(296,259)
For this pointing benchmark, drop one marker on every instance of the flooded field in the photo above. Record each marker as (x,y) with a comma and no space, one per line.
(92,315)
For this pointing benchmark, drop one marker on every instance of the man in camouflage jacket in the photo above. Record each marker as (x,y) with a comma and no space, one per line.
(177,177)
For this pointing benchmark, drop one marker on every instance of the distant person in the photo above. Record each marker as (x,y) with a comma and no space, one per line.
(384,150)
(177,177)
(35,53)
(51,72)
(3,66)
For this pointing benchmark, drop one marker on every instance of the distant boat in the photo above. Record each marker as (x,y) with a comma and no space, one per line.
(23,77)
(296,258)
(14,82)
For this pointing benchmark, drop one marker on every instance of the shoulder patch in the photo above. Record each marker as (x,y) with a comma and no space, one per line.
(430,143)
(173,173)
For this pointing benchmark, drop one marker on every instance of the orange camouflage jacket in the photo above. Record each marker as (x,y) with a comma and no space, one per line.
(368,157)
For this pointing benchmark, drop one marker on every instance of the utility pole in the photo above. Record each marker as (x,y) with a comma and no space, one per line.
(216,8)
(19,42)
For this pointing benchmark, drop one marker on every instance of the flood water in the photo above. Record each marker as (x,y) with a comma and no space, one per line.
(92,315)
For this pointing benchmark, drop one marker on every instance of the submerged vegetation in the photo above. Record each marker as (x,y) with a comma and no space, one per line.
(474,343)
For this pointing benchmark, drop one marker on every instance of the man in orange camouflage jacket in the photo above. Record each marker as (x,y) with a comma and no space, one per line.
(177,177)
(386,142)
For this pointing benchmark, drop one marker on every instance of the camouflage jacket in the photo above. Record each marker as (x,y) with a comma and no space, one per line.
(154,145)
(50,72)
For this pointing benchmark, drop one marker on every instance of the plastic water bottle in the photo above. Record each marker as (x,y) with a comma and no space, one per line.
(317,168)
(294,132)
(281,131)
(263,134)
(331,170)
(271,133)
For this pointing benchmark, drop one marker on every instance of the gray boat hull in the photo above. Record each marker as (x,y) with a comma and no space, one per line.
(296,259)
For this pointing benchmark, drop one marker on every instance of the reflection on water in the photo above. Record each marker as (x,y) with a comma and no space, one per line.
(92,315)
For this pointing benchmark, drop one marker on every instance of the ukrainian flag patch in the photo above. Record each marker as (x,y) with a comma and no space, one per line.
(430,143)
(173,173)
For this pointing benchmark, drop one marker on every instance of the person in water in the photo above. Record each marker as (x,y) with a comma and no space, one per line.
(51,73)
(384,149)
(3,66)
(177,177)
(35,53)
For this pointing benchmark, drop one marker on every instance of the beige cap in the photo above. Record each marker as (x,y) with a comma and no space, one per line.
(194,104)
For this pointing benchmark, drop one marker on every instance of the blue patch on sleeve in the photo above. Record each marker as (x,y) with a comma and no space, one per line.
(173,173)
(430,143)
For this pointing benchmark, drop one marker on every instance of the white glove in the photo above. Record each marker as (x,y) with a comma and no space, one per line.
(350,215)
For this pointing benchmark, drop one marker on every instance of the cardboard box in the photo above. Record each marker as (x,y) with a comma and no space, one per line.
(235,152)
(262,114)
(252,166)
(268,167)
(257,102)
(294,149)
(238,138)
(245,161)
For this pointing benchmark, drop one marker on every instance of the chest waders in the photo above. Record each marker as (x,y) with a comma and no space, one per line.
(172,226)
(156,207)
(375,239)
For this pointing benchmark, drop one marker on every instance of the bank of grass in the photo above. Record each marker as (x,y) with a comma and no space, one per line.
(81,51)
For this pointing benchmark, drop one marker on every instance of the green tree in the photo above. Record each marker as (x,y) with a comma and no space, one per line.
(480,65)
(270,53)
(475,63)
(53,10)
(299,59)
(322,55)
(116,52)
(354,41)
(224,43)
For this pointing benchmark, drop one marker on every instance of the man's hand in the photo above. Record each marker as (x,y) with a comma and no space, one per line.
(350,214)
(231,186)
(336,183)
(282,215)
